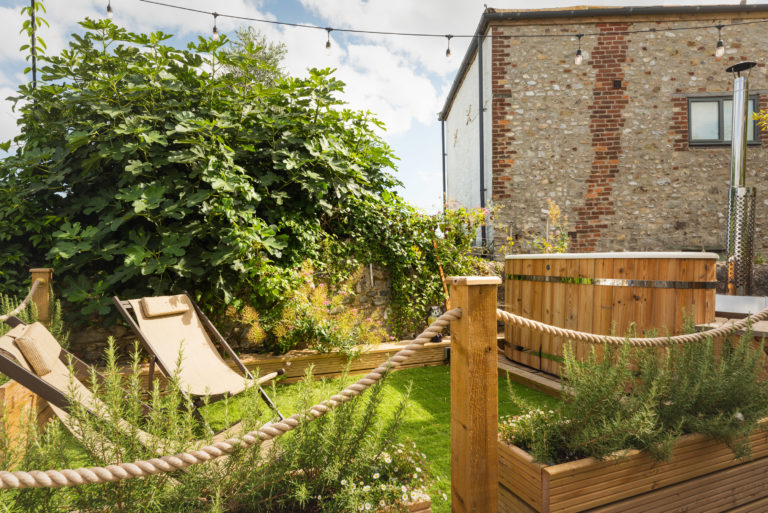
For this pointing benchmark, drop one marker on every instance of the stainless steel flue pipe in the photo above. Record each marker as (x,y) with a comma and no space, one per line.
(741,199)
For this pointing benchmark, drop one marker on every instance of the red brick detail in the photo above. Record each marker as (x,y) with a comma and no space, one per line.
(605,125)
(678,130)
(502,134)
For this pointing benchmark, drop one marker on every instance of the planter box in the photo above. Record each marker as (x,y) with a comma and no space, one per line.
(326,365)
(17,400)
(702,475)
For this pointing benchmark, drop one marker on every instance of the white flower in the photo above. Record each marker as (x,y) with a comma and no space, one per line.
(366,488)
(403,488)
(405,497)
(383,487)
(382,502)
(367,505)
(418,469)
(343,482)
(376,475)
(388,459)
(739,416)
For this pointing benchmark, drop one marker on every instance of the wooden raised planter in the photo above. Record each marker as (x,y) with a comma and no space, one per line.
(327,365)
(702,475)
(17,401)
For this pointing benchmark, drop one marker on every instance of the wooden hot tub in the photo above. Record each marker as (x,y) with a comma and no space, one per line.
(603,293)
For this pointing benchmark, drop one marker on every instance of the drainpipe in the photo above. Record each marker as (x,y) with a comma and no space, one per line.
(483,239)
(741,199)
(445,178)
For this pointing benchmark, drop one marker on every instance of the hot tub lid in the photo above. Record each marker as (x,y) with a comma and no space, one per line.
(617,254)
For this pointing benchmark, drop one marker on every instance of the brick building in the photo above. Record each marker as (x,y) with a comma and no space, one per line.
(633,144)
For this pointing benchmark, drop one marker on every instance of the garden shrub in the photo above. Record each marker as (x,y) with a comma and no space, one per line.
(312,317)
(647,398)
(317,467)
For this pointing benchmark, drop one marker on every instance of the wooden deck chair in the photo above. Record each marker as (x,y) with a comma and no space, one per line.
(170,326)
(30,355)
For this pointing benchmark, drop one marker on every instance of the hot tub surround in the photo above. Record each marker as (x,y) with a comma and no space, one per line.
(604,293)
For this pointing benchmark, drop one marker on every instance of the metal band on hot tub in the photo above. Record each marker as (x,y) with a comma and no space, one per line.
(613,282)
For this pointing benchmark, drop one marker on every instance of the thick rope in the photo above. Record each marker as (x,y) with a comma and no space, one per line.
(725,329)
(24,303)
(142,468)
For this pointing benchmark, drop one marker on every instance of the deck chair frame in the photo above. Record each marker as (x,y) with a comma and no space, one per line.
(124,307)
(55,396)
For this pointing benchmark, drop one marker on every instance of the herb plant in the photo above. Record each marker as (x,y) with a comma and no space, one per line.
(646,398)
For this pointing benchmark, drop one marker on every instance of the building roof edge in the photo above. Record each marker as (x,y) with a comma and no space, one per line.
(493,15)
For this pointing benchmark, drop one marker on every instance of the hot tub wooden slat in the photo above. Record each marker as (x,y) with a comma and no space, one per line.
(685,272)
(642,314)
(527,303)
(586,304)
(664,302)
(623,269)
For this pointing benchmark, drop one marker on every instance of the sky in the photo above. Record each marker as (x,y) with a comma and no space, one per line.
(403,80)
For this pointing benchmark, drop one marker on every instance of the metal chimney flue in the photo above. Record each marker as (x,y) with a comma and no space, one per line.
(741,202)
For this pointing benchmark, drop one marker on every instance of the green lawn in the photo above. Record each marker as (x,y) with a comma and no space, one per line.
(427,419)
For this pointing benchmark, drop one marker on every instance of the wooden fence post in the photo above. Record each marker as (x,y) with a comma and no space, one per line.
(474,396)
(42,296)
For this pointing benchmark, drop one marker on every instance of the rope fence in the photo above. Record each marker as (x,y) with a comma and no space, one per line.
(142,468)
(24,303)
(170,463)
(725,329)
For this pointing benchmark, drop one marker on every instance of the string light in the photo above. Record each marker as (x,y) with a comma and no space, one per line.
(467,36)
(720,48)
(448,48)
(328,42)
(579,55)
(110,14)
(215,29)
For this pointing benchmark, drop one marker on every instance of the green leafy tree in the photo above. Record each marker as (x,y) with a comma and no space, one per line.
(144,168)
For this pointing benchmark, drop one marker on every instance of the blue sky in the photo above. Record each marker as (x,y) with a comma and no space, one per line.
(404,80)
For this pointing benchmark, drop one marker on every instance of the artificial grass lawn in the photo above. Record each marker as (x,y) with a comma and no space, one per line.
(427,417)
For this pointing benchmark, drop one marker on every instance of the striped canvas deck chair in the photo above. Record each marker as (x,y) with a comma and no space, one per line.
(178,337)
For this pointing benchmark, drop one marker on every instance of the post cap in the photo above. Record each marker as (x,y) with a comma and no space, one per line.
(474,280)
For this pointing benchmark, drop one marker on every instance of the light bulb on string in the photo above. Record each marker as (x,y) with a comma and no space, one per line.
(448,47)
(215,28)
(110,14)
(720,48)
(328,41)
(579,54)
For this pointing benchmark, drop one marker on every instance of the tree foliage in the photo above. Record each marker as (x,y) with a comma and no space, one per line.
(143,169)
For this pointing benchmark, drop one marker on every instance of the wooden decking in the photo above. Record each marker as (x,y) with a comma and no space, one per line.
(529,377)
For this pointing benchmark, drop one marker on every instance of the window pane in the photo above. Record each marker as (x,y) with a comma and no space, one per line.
(704,121)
